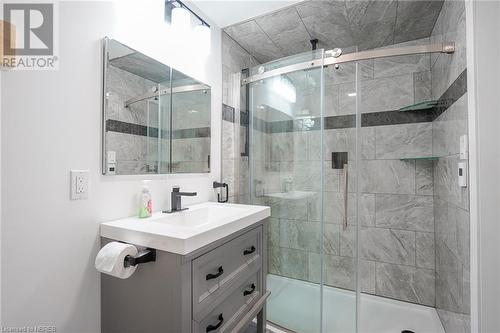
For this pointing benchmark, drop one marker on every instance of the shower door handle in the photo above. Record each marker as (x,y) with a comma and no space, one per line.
(344,224)
(340,161)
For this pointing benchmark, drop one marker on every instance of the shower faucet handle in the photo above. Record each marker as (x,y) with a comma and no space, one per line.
(339,159)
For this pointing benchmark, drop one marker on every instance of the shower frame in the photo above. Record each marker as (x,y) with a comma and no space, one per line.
(330,57)
(169,91)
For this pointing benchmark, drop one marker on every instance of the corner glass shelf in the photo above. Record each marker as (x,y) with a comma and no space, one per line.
(420,106)
(428,158)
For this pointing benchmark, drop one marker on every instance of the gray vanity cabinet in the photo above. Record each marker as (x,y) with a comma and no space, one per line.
(218,288)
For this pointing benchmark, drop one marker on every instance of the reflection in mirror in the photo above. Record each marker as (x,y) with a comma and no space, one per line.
(190,124)
(156,119)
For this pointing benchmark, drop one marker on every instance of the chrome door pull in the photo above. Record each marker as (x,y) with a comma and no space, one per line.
(340,161)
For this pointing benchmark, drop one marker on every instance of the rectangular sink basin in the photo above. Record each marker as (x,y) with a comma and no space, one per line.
(186,231)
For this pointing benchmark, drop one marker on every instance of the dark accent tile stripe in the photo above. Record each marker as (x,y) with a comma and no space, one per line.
(309,124)
(244,118)
(227,113)
(126,128)
(260,125)
(188,133)
(346,121)
(136,129)
(349,121)
(456,90)
(279,126)
(396,117)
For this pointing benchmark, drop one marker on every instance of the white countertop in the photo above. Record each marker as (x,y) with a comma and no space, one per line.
(186,231)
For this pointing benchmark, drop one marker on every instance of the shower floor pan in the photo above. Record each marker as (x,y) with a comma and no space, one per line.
(294,306)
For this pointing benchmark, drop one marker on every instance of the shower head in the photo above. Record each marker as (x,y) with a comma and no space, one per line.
(314,43)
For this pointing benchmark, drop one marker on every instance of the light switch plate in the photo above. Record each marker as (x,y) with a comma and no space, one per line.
(464,147)
(79,187)
(111,157)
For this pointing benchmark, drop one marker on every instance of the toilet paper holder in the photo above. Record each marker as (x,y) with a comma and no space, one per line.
(144,256)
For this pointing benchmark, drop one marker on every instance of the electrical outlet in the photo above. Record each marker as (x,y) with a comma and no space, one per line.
(79,188)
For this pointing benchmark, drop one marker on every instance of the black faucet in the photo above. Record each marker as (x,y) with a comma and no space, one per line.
(175,199)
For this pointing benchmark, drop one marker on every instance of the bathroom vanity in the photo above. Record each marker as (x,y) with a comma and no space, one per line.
(208,275)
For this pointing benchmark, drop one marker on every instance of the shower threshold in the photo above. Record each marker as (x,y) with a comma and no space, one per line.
(294,307)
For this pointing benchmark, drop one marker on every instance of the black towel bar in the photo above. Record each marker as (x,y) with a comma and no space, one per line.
(223,185)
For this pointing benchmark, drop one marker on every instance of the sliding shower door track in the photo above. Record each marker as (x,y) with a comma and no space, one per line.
(448,47)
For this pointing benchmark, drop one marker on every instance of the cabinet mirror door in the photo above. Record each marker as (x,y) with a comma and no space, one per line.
(156,120)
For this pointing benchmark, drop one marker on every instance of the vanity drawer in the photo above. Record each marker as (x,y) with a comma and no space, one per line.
(218,270)
(227,314)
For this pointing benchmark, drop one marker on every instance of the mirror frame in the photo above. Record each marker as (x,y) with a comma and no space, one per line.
(104,73)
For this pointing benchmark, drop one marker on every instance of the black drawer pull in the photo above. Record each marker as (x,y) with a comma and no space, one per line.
(249,292)
(214,327)
(213,276)
(247,252)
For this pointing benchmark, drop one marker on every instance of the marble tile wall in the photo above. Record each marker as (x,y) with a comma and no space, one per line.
(451,202)
(235,168)
(134,153)
(190,155)
(450,26)
(395,210)
(191,109)
(191,117)
(366,24)
(122,86)
(401,81)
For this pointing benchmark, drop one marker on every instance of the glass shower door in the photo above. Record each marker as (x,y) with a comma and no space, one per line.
(342,272)
(291,171)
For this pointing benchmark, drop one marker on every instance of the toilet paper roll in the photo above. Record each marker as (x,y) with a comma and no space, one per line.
(110,259)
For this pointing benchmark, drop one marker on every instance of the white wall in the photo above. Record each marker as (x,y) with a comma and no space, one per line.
(50,124)
(0,201)
(484,83)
